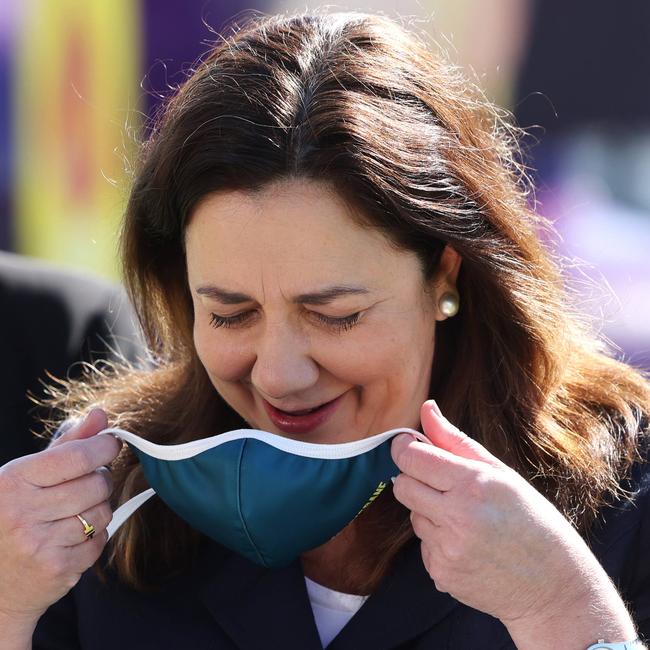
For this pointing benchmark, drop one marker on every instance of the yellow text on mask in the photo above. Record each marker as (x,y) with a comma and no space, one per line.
(378,490)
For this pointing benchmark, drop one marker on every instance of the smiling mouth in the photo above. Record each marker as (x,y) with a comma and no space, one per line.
(304,420)
(305,411)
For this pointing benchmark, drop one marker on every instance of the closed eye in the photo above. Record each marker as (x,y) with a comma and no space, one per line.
(338,324)
(227,321)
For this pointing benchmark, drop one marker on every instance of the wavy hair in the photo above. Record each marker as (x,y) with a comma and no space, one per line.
(359,102)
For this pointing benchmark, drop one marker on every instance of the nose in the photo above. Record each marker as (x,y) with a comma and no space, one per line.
(283,364)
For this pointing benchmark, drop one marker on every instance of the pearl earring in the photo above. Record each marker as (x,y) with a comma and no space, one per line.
(449,303)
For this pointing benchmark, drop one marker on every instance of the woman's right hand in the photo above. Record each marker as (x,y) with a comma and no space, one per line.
(43,549)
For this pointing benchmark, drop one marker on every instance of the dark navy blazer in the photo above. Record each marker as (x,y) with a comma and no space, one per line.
(228,603)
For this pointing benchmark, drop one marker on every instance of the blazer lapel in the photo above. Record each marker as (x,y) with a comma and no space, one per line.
(269,608)
(405,605)
(261,608)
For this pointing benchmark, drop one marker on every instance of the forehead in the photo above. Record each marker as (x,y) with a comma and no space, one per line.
(295,231)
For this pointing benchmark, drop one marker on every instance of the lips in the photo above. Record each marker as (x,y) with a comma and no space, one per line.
(302,412)
(302,421)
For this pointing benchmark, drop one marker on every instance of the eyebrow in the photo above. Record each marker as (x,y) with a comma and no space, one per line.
(322,297)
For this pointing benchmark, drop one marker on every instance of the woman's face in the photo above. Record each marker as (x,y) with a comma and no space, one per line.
(296,306)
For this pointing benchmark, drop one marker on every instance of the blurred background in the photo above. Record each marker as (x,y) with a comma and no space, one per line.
(80,80)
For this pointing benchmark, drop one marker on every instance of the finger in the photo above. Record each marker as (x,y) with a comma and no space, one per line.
(93,423)
(70,460)
(424,528)
(429,464)
(429,557)
(83,555)
(69,498)
(420,498)
(445,435)
(70,531)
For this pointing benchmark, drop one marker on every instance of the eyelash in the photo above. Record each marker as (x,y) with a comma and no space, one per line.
(227,321)
(338,324)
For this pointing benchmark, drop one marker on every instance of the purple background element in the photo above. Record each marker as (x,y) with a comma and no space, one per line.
(175,35)
(10,12)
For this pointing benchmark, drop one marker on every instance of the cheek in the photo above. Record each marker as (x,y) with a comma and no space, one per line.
(222,360)
(397,367)
(385,355)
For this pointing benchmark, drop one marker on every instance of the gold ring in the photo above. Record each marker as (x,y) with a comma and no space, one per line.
(89,529)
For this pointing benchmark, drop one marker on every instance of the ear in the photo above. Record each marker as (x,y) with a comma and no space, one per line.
(446,277)
(448,267)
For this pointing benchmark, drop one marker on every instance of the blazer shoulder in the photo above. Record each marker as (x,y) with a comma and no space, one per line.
(620,539)
(84,311)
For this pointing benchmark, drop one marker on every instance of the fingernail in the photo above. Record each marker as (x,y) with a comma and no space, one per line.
(435,408)
(399,443)
(404,438)
(90,413)
(392,478)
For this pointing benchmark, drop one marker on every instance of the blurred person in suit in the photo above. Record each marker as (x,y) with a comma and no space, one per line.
(53,320)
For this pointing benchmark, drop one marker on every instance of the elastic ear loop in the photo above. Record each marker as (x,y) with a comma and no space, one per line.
(129,507)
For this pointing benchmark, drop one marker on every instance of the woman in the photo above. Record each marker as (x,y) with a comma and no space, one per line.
(328,232)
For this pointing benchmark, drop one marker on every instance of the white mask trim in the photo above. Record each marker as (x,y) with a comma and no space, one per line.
(298,447)
(127,509)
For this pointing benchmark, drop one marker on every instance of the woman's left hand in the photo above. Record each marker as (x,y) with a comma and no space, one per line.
(489,538)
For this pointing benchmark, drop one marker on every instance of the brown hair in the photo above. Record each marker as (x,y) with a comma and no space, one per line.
(356,101)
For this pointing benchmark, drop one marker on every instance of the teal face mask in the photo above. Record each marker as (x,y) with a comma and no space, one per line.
(264,496)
